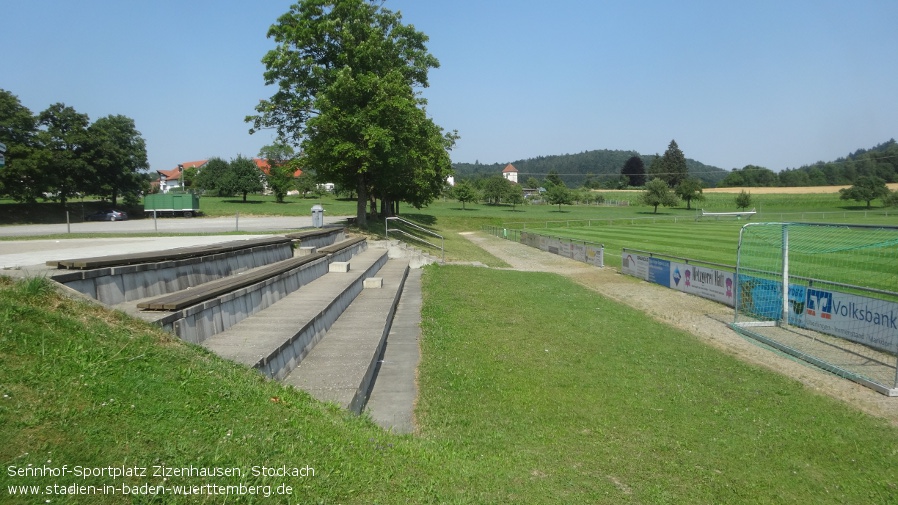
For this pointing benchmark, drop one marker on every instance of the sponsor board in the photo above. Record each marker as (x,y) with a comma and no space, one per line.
(635,265)
(869,321)
(659,271)
(708,283)
(595,256)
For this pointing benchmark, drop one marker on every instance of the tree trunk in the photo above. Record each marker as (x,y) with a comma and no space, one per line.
(361,217)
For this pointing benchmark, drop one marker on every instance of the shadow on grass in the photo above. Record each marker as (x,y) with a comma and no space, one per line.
(460,208)
(423,219)
(241,202)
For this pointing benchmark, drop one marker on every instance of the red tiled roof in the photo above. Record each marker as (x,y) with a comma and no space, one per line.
(510,168)
(171,175)
(175,173)
(265,167)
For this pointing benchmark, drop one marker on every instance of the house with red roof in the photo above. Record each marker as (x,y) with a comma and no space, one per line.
(171,179)
(265,167)
(510,173)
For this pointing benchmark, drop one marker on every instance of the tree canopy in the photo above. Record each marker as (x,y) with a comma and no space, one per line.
(634,171)
(58,154)
(281,168)
(866,189)
(656,193)
(346,72)
(673,165)
(743,199)
(690,189)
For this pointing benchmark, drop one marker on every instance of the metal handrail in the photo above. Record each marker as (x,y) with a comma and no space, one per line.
(413,225)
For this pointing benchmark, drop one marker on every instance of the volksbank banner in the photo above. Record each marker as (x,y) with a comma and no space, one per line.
(869,321)
(708,283)
(587,253)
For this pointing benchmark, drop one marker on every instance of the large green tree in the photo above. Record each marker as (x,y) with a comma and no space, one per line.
(634,171)
(211,177)
(866,189)
(464,193)
(690,189)
(559,194)
(17,131)
(118,153)
(658,193)
(346,73)
(60,154)
(496,189)
(243,177)
(673,165)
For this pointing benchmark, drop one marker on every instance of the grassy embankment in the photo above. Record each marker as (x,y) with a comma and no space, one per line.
(564,398)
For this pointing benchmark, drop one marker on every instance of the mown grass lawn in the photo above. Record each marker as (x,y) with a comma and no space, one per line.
(532,390)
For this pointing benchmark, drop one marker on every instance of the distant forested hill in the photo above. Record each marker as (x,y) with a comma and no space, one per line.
(879,161)
(602,166)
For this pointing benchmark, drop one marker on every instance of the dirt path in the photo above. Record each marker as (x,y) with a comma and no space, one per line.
(703,318)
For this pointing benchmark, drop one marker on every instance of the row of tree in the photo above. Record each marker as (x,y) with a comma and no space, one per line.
(59,153)
(880,161)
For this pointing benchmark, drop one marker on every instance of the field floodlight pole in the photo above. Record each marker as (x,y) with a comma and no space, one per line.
(785,316)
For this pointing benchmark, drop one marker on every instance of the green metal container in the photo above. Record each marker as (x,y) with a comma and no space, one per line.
(172,204)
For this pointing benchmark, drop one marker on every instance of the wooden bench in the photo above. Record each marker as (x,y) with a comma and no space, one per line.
(214,289)
(159,256)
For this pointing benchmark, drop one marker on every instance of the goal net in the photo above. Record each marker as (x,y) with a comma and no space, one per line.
(825,293)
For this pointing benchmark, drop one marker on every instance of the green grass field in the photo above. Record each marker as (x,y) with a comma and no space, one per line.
(564,398)
(533,389)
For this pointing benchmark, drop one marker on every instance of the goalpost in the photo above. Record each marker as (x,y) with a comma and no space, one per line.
(825,293)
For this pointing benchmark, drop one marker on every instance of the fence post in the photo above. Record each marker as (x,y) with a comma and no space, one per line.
(68,223)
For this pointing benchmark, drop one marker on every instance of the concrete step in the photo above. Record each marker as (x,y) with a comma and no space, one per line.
(276,339)
(341,368)
(392,401)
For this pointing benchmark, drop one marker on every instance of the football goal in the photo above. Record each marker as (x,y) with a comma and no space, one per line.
(825,293)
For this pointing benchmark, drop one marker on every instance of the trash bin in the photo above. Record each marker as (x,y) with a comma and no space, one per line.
(317,216)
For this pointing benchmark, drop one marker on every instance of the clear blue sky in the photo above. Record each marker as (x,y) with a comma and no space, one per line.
(773,83)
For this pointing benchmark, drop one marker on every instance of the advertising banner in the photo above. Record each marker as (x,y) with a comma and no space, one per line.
(708,283)
(635,265)
(595,256)
(869,321)
(659,271)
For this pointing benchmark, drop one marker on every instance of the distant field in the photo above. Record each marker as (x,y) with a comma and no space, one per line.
(801,190)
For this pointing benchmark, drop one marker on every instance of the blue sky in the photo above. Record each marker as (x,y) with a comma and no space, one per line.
(773,83)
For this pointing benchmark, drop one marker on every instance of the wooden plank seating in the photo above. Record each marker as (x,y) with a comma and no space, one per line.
(210,290)
(318,232)
(340,246)
(169,255)
(189,297)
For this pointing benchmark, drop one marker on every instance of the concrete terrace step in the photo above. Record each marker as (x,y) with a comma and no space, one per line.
(277,339)
(392,401)
(189,297)
(341,368)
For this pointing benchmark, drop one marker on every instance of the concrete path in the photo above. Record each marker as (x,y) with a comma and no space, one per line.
(395,392)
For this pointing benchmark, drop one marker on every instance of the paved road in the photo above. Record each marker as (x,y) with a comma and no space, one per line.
(31,255)
(171,225)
